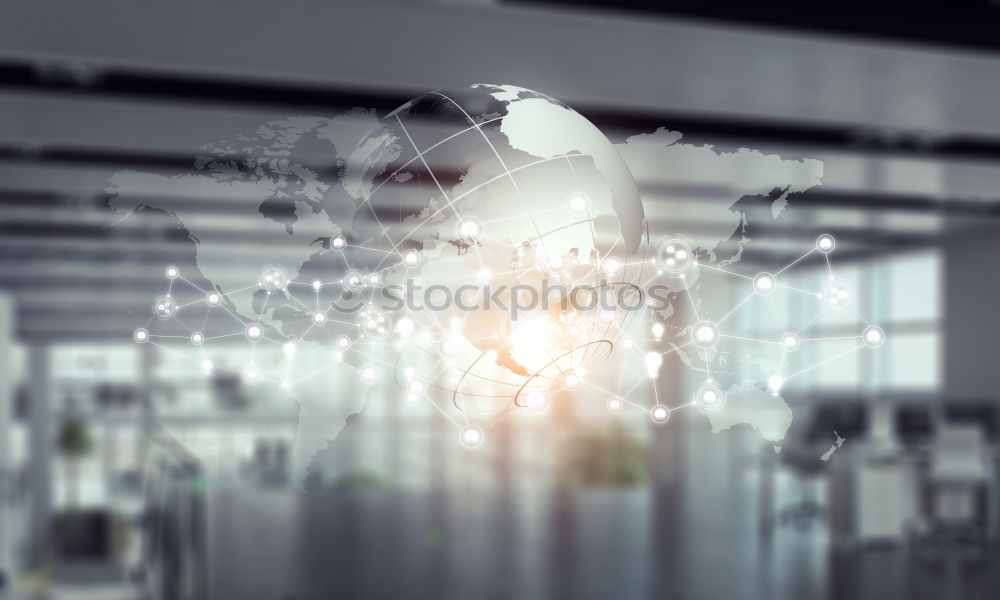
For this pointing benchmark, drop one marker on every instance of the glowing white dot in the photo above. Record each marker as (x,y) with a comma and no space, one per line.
(289,348)
(709,397)
(612,265)
(213,299)
(657,330)
(484,275)
(343,341)
(705,335)
(469,228)
(274,278)
(790,341)
(172,272)
(571,380)
(405,327)
(285,384)
(206,366)
(660,414)
(317,285)
(450,345)
(472,436)
(197,338)
(319,317)
(251,375)
(140,335)
(577,201)
(416,387)
(339,242)
(165,307)
(873,336)
(254,331)
(614,405)
(775,382)
(825,243)
(764,284)
(535,400)
(368,373)
(653,362)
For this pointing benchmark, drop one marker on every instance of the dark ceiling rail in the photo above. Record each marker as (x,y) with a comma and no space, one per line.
(947,24)
(77,78)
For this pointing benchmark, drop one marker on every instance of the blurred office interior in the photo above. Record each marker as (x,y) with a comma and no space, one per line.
(123,474)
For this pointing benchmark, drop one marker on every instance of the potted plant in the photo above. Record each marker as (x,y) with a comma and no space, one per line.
(74,443)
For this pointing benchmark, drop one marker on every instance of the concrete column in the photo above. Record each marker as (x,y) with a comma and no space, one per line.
(969,318)
(41,450)
(7,484)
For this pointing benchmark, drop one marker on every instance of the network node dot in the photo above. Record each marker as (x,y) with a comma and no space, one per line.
(472,436)
(653,362)
(416,387)
(873,336)
(251,375)
(469,229)
(657,330)
(565,264)
(660,414)
(450,344)
(172,272)
(825,243)
(289,349)
(254,331)
(317,284)
(612,265)
(709,397)
(206,366)
(373,322)
(273,278)
(338,243)
(213,299)
(790,342)
(343,342)
(571,380)
(836,295)
(354,281)
(674,256)
(578,201)
(764,284)
(285,384)
(536,401)
(405,327)
(614,405)
(140,335)
(368,374)
(374,279)
(197,338)
(319,317)
(165,307)
(775,383)
(705,334)
(411,258)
